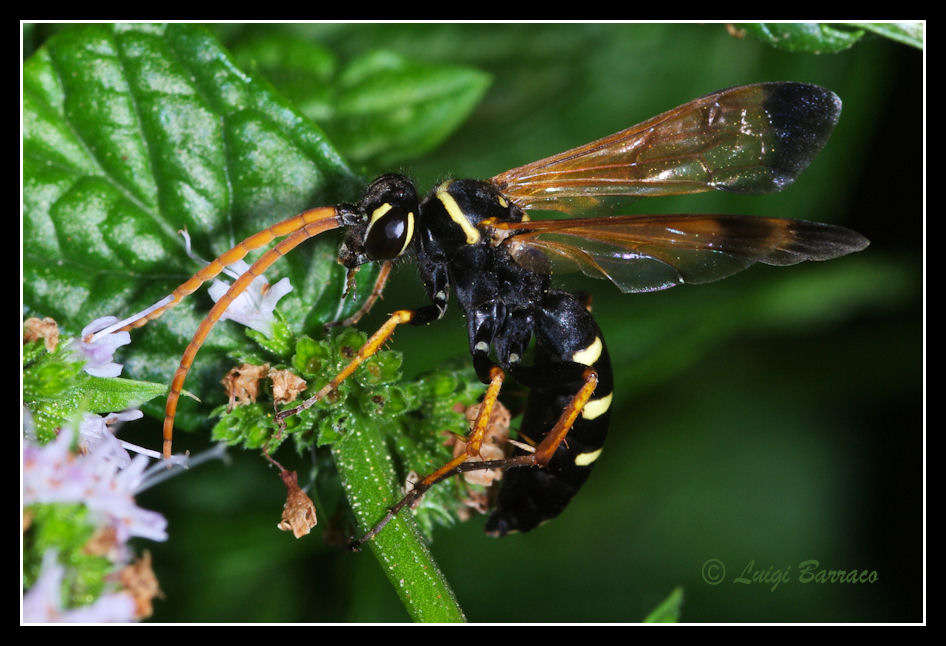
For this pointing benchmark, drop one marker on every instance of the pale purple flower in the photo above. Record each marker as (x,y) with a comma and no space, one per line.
(29,425)
(97,430)
(96,478)
(52,473)
(118,607)
(255,305)
(43,602)
(98,354)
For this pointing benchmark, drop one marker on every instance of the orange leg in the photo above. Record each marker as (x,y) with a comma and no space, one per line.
(539,458)
(304,229)
(371,346)
(475,439)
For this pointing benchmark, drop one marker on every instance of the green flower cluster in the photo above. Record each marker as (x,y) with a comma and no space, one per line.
(417,418)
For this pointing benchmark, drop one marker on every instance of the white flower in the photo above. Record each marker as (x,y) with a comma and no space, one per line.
(254,306)
(98,354)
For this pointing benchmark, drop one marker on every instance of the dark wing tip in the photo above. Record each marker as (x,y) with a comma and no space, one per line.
(802,117)
(817,241)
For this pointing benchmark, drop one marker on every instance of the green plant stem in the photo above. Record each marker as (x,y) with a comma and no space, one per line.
(364,463)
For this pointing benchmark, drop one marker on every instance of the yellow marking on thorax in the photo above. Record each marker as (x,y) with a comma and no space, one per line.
(597,407)
(456,214)
(589,355)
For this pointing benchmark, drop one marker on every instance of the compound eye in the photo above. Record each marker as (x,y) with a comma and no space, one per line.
(389,232)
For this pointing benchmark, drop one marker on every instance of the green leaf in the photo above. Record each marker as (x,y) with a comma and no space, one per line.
(824,38)
(87,395)
(116,394)
(391,109)
(804,37)
(57,390)
(132,133)
(908,33)
(299,68)
(381,108)
(669,609)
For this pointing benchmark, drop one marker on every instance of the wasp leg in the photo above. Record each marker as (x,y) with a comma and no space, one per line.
(473,443)
(540,457)
(371,346)
(368,304)
(475,439)
(546,449)
(307,231)
(542,454)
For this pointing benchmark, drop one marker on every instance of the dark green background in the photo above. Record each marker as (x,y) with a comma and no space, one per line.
(773,418)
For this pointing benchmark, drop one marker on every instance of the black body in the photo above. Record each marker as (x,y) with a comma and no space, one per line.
(752,139)
(506,307)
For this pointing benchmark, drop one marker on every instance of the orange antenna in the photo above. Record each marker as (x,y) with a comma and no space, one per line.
(317,216)
(316,221)
(299,228)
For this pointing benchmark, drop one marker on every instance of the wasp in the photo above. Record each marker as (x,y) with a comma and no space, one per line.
(474,239)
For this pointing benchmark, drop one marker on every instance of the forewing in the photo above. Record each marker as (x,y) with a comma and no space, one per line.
(749,139)
(650,253)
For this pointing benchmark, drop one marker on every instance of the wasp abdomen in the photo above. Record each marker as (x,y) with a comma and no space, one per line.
(568,341)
